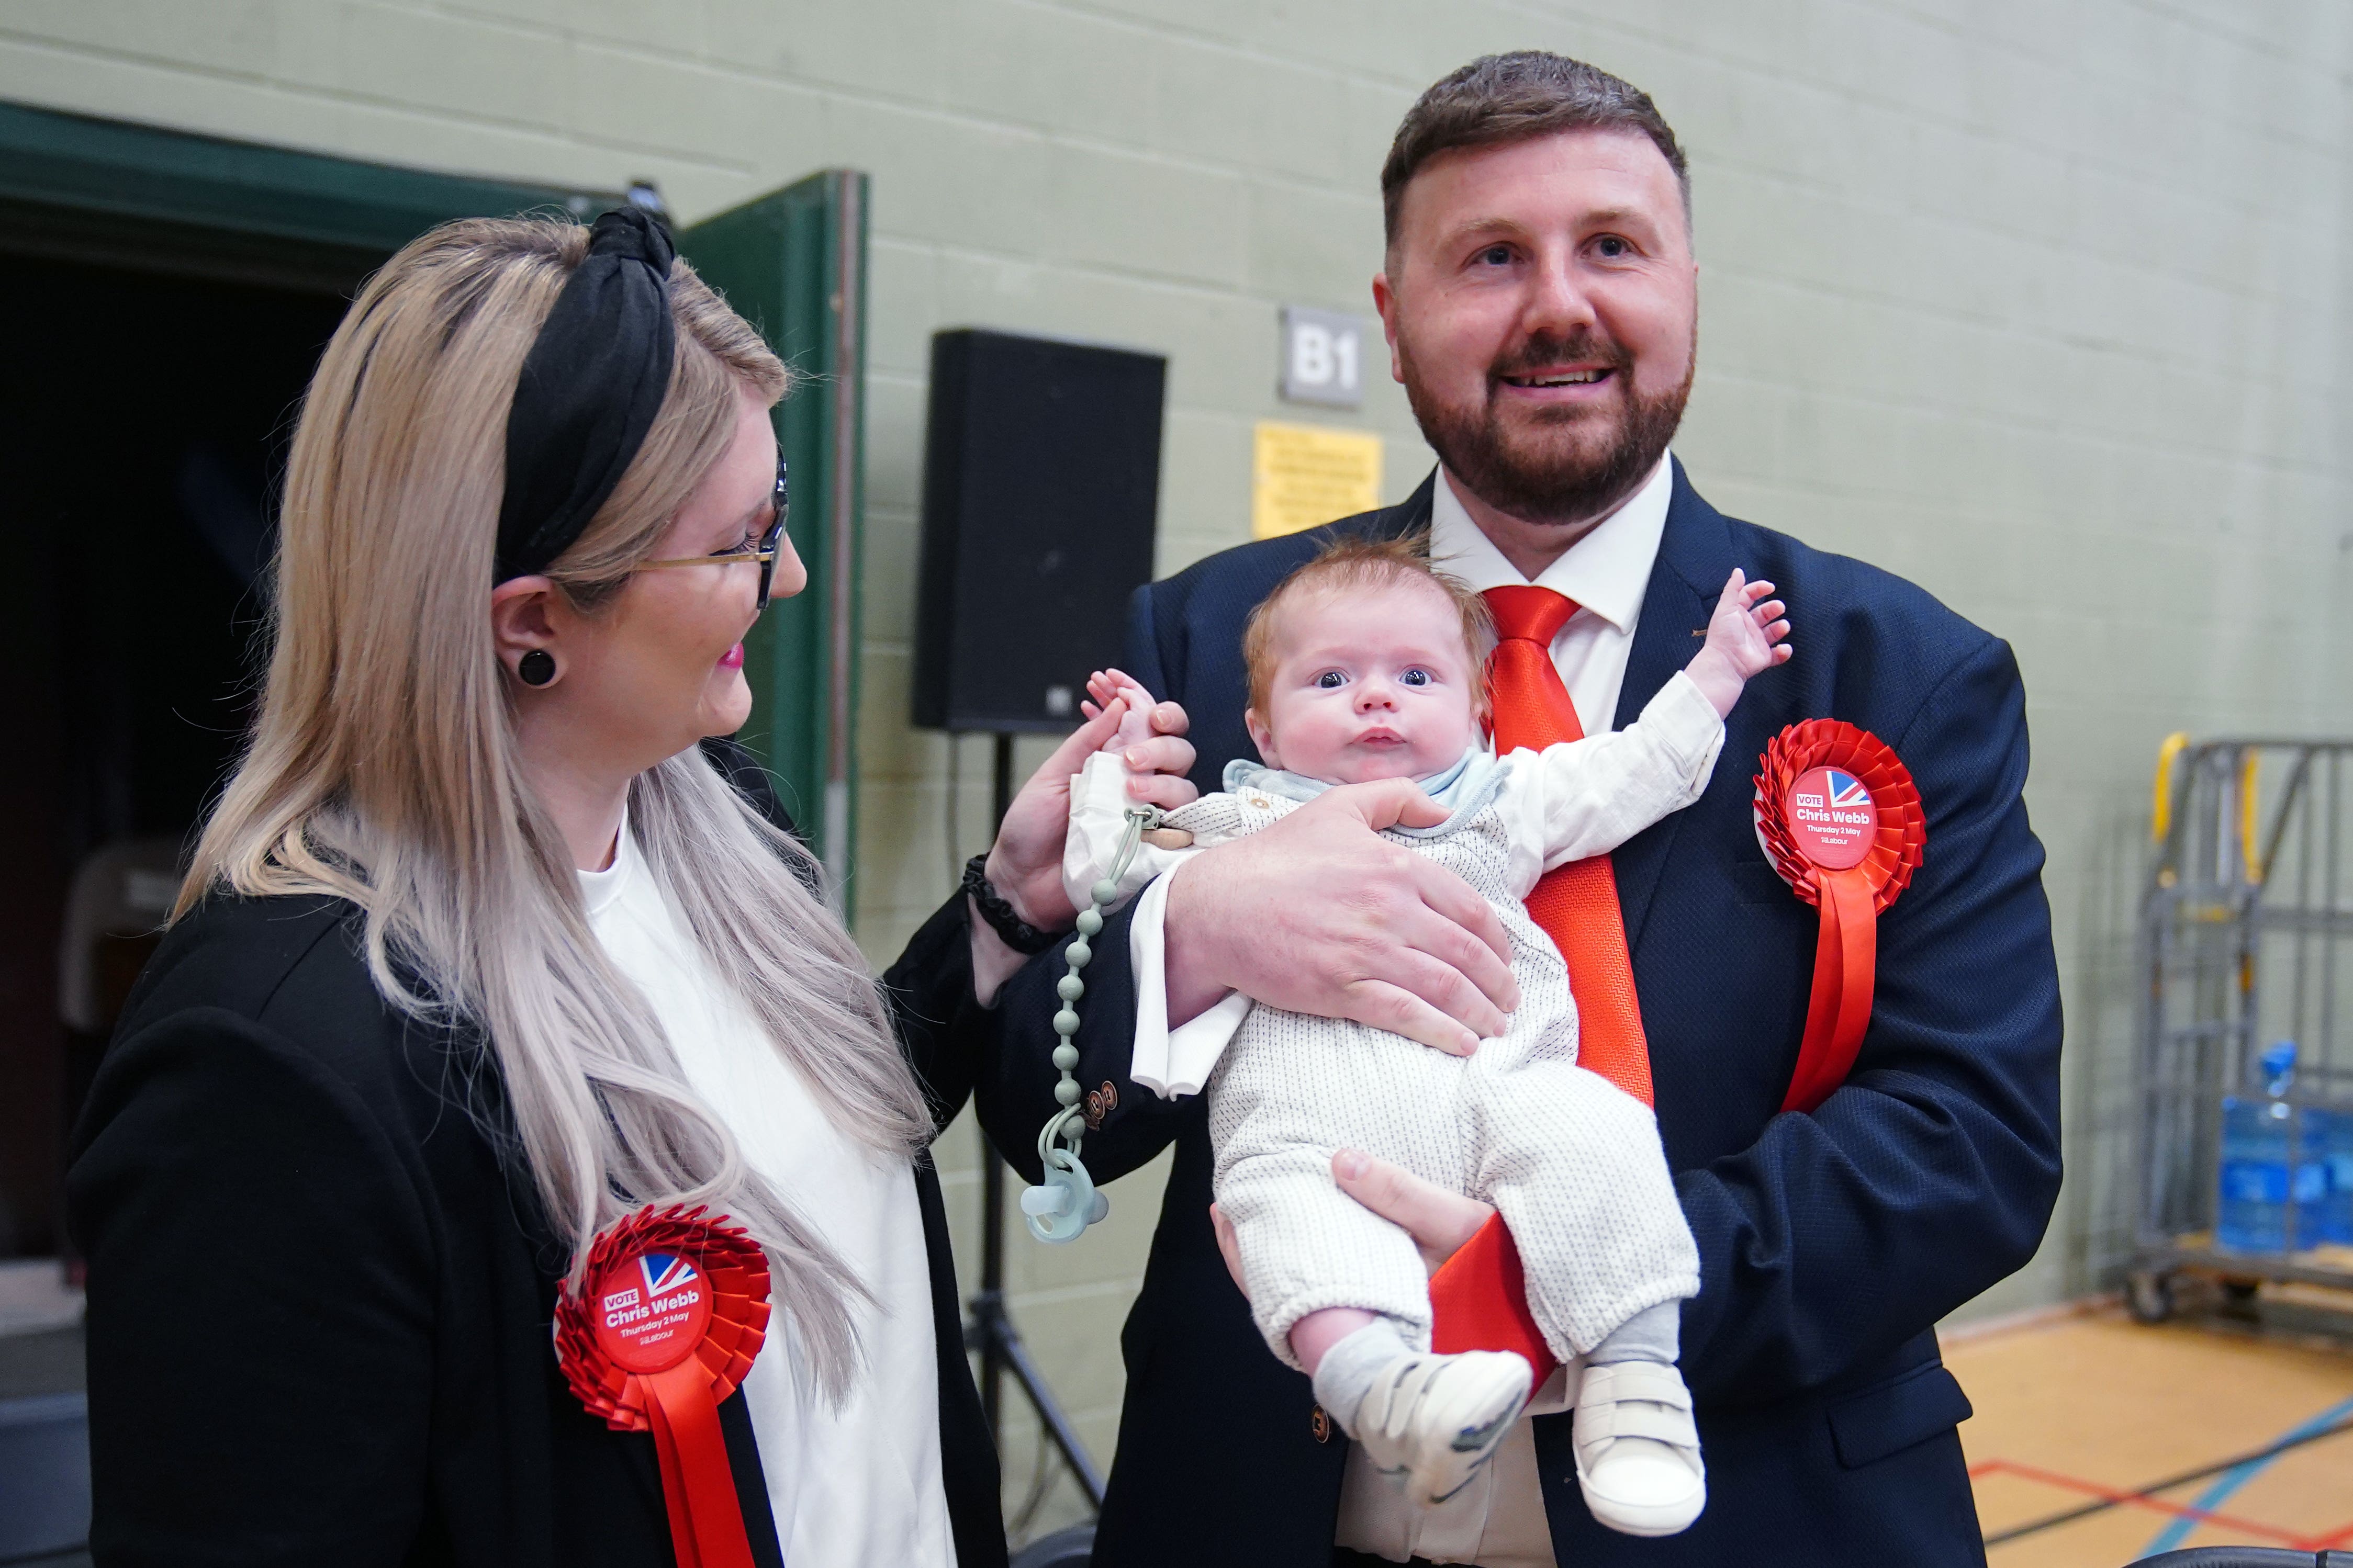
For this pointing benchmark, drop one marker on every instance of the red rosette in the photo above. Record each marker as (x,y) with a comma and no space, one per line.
(1839,819)
(673,1308)
(1897,839)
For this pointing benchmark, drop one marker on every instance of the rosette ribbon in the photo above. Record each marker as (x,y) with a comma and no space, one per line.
(673,1307)
(1840,819)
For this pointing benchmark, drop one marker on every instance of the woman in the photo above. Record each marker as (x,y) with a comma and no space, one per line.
(485,947)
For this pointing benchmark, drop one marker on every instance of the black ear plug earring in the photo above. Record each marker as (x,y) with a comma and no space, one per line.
(536,668)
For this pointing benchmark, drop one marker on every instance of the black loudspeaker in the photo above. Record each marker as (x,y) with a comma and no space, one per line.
(1041,479)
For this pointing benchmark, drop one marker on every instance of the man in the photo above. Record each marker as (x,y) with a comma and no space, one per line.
(1539,295)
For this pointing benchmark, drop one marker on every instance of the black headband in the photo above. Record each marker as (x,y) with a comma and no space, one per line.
(589,390)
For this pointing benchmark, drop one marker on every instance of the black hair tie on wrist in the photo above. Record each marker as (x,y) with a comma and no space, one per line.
(1018,934)
(589,390)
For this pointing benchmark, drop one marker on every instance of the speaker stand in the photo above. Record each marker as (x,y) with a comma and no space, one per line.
(989,1328)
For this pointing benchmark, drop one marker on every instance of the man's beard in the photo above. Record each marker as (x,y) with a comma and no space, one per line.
(1542,473)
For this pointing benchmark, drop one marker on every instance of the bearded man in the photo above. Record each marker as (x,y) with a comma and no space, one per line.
(1540,299)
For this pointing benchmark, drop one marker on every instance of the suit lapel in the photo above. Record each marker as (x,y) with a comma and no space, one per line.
(1695,558)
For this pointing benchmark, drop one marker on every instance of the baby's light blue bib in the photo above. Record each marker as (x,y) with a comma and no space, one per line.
(1465,789)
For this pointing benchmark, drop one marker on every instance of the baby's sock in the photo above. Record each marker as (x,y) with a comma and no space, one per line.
(1652,1335)
(1346,1373)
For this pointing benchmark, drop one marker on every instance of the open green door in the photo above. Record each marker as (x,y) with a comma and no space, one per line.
(794,264)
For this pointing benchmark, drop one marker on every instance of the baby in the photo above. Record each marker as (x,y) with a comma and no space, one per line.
(1367,663)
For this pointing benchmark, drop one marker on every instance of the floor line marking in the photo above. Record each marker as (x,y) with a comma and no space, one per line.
(2173,1534)
(2333,1539)
(2148,1488)
(2191,1513)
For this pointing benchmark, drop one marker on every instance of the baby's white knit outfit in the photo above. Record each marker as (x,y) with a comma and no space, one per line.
(1573,1163)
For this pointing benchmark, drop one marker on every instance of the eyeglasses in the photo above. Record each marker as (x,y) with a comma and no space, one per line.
(764,552)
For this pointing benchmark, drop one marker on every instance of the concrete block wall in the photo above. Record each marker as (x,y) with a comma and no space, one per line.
(2035,302)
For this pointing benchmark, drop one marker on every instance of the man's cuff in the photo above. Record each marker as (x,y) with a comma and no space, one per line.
(1171,1063)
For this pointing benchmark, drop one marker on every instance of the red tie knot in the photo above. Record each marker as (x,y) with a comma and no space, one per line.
(1527,613)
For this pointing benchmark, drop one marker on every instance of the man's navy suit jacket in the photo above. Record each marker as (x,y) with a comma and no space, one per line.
(1830,1243)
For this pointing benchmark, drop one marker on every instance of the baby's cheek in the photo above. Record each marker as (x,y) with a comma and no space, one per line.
(1313,743)
(1454,728)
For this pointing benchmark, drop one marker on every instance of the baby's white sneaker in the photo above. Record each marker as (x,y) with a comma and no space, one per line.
(1638,1448)
(1437,1418)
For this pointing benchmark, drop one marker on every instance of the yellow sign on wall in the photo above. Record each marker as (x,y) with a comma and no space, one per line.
(1304,476)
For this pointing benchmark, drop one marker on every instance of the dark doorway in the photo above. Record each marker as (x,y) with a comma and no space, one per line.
(166,295)
(143,422)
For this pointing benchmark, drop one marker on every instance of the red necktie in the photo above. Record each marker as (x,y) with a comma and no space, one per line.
(1577,904)
(1478,1301)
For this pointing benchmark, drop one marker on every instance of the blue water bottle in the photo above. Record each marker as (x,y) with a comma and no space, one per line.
(2259,1137)
(2332,1131)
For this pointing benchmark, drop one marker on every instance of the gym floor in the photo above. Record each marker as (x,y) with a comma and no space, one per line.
(2079,1415)
(2081,1418)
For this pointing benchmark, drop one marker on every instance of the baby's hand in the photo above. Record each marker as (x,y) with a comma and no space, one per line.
(1745,636)
(1107,687)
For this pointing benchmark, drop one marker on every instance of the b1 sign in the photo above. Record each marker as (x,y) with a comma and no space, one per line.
(1323,357)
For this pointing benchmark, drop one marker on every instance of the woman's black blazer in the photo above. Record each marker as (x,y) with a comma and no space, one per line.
(319,1298)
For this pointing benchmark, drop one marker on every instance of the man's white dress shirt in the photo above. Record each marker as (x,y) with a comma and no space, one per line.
(1498,1521)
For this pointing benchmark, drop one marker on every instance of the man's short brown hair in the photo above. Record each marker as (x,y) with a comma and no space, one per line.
(1349,561)
(1500,99)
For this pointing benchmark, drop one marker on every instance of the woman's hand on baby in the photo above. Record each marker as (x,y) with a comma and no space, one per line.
(1025,864)
(1105,687)
(1747,636)
(1318,914)
(1439,1221)
(1140,734)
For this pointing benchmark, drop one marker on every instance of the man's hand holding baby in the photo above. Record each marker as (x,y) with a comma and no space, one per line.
(1317,915)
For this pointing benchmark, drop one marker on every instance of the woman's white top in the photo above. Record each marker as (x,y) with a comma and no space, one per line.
(858,1484)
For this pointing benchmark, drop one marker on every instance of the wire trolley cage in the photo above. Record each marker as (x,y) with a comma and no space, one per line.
(2242,1154)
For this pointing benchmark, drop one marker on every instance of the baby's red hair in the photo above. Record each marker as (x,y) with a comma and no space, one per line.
(1348,561)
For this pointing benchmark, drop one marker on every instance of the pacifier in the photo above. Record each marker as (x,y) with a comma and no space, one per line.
(1062,1208)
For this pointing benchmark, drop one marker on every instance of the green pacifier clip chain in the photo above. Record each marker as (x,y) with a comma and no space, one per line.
(1063,1207)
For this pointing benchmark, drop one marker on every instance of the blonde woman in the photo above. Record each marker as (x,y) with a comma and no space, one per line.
(485,947)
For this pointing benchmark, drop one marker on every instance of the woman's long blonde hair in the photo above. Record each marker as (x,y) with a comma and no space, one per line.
(382,769)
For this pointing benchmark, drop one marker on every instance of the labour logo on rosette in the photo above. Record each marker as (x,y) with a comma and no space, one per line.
(1840,819)
(674,1308)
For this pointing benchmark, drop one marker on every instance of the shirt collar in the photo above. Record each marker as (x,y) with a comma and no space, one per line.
(1606,571)
(601,890)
